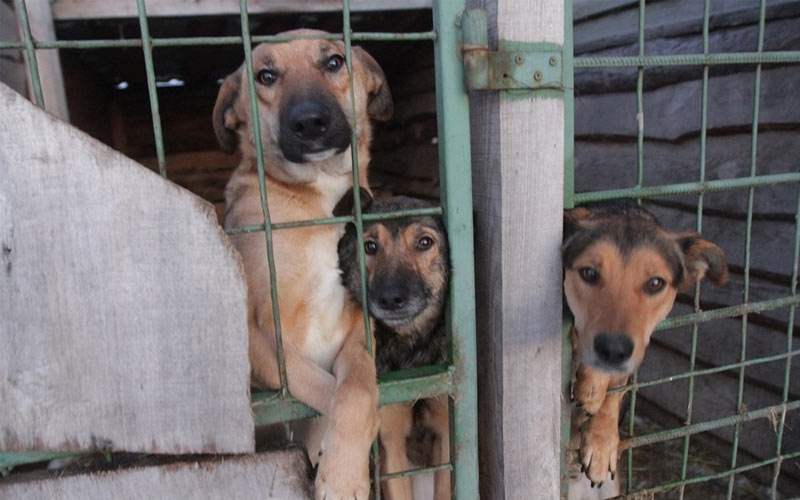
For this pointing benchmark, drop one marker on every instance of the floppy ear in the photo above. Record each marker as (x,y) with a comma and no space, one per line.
(702,258)
(379,104)
(346,205)
(226,119)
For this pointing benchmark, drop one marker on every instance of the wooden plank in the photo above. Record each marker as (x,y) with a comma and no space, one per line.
(122,303)
(518,164)
(50,75)
(98,9)
(276,475)
(670,19)
(672,112)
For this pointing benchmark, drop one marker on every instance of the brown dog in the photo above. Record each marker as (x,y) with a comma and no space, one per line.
(408,273)
(622,272)
(304,108)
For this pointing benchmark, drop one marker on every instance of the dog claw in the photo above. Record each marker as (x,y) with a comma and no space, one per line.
(583,468)
(613,475)
(599,485)
(592,484)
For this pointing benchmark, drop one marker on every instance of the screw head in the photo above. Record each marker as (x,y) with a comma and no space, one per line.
(553,61)
(537,75)
(519,59)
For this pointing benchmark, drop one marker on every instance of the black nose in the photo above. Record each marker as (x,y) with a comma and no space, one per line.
(309,120)
(392,298)
(613,349)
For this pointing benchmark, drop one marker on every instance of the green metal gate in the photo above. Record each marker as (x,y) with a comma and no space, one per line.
(700,187)
(458,378)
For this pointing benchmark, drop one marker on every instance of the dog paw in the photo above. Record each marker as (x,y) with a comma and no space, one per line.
(338,480)
(589,390)
(598,452)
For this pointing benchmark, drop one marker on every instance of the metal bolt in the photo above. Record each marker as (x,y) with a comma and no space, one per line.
(537,75)
(519,59)
(553,61)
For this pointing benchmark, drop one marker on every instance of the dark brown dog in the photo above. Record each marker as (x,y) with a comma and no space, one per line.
(305,112)
(622,272)
(408,270)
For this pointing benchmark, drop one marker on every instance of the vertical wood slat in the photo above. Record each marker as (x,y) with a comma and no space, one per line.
(518,175)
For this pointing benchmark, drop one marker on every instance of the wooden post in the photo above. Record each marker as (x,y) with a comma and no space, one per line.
(518,176)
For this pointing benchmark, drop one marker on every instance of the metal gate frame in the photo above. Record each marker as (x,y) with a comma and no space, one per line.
(458,379)
(700,188)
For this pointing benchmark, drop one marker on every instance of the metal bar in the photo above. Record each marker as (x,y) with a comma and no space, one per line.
(668,486)
(412,472)
(33,66)
(688,188)
(262,189)
(151,88)
(11,459)
(707,371)
(271,407)
(699,228)
(452,111)
(728,312)
(788,56)
(216,40)
(658,437)
(399,214)
(789,337)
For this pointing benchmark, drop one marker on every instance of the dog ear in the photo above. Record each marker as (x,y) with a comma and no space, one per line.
(379,104)
(346,205)
(226,119)
(702,258)
(572,220)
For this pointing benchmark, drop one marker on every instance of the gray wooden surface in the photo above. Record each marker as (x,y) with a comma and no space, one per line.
(122,302)
(518,164)
(268,476)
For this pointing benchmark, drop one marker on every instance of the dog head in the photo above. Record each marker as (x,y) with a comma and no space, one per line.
(408,266)
(303,97)
(622,272)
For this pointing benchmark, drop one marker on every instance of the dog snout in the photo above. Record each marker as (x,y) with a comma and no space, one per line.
(613,349)
(309,120)
(393,298)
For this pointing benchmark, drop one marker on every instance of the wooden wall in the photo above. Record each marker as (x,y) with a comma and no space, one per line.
(605,156)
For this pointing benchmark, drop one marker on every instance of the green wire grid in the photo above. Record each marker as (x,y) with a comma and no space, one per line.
(459,379)
(698,316)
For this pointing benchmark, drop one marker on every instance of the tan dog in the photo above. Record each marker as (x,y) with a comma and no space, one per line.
(622,272)
(304,107)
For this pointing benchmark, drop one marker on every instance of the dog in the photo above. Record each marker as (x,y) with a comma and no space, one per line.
(408,275)
(622,272)
(305,112)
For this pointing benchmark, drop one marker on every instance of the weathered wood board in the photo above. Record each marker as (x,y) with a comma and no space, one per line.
(276,475)
(518,166)
(122,302)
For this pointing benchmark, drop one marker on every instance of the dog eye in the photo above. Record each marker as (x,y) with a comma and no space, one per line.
(425,243)
(589,275)
(266,77)
(370,247)
(334,63)
(654,285)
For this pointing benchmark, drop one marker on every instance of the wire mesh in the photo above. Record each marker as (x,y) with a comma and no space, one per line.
(749,184)
(458,379)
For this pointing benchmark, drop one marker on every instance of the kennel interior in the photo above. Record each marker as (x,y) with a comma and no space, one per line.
(691,107)
(142,77)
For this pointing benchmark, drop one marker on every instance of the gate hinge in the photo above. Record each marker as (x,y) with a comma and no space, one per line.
(533,66)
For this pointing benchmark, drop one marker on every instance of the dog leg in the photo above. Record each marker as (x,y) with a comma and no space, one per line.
(353,423)
(589,388)
(439,421)
(307,382)
(396,423)
(600,437)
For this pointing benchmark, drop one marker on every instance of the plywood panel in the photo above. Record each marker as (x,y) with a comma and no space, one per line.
(122,302)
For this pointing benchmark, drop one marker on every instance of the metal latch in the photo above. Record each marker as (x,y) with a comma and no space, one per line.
(532,67)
